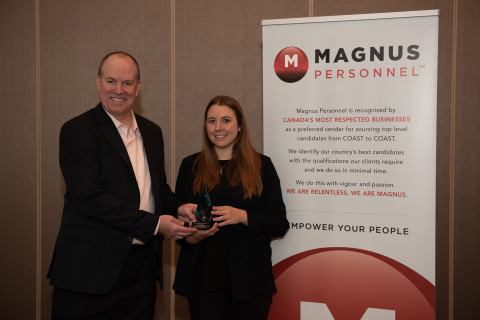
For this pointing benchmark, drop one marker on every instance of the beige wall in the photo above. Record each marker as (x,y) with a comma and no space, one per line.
(466,177)
(18,159)
(190,51)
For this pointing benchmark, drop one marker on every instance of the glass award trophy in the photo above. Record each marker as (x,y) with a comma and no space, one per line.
(204,212)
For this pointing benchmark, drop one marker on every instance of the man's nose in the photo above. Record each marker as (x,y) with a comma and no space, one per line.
(119,88)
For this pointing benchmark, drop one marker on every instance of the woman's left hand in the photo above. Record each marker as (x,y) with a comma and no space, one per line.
(226,215)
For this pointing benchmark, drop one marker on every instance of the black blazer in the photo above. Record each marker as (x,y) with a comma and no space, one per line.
(249,254)
(101,212)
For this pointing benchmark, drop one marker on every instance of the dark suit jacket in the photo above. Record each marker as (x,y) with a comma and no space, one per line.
(101,212)
(249,254)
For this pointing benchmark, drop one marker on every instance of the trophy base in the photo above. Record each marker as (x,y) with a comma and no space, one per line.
(201,225)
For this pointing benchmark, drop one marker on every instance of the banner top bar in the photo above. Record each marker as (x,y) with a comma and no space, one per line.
(370,16)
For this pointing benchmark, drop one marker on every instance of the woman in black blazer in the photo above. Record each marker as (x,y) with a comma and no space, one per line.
(226,271)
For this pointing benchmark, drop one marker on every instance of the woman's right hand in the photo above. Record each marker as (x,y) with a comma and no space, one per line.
(202,234)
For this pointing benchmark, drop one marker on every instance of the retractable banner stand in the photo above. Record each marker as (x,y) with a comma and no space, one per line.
(350,124)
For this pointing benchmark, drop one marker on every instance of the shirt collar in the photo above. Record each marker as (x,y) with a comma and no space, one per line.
(118,123)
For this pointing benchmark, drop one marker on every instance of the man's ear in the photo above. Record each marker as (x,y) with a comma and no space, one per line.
(98,83)
(138,87)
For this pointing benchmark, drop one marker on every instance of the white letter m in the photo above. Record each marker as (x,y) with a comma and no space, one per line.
(320,311)
(293,60)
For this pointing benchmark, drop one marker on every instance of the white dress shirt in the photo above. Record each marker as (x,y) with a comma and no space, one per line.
(136,152)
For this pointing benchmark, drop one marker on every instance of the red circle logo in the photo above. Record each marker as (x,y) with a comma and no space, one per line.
(291,64)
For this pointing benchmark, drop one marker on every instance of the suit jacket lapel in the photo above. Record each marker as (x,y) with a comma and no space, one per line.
(148,145)
(151,152)
(107,128)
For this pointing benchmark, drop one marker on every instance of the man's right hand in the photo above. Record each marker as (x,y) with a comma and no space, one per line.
(186,212)
(172,228)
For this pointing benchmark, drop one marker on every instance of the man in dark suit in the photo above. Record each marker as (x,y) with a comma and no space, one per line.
(118,206)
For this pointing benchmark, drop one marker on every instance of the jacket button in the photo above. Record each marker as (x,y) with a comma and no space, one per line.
(130,238)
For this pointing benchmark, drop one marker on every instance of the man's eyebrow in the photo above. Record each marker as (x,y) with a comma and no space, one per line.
(128,80)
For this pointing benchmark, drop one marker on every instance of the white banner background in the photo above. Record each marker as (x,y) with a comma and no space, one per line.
(405,151)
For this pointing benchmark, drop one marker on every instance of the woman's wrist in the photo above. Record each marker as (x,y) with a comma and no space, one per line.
(245,219)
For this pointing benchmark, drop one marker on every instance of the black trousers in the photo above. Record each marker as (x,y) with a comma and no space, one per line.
(132,297)
(220,306)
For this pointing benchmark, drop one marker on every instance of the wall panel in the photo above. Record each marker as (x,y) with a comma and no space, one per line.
(74,38)
(18,172)
(219,52)
(467,159)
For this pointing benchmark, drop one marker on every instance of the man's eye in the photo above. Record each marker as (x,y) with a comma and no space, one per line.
(128,83)
(109,81)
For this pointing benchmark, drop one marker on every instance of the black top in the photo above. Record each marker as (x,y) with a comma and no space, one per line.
(237,256)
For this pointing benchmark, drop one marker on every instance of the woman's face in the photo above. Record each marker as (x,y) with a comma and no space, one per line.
(222,130)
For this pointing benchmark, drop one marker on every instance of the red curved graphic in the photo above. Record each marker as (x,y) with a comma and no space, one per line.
(349,281)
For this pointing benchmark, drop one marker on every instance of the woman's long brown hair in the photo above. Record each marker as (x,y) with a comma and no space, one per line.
(245,165)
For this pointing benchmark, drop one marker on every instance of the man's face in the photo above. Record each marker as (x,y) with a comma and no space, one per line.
(118,85)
